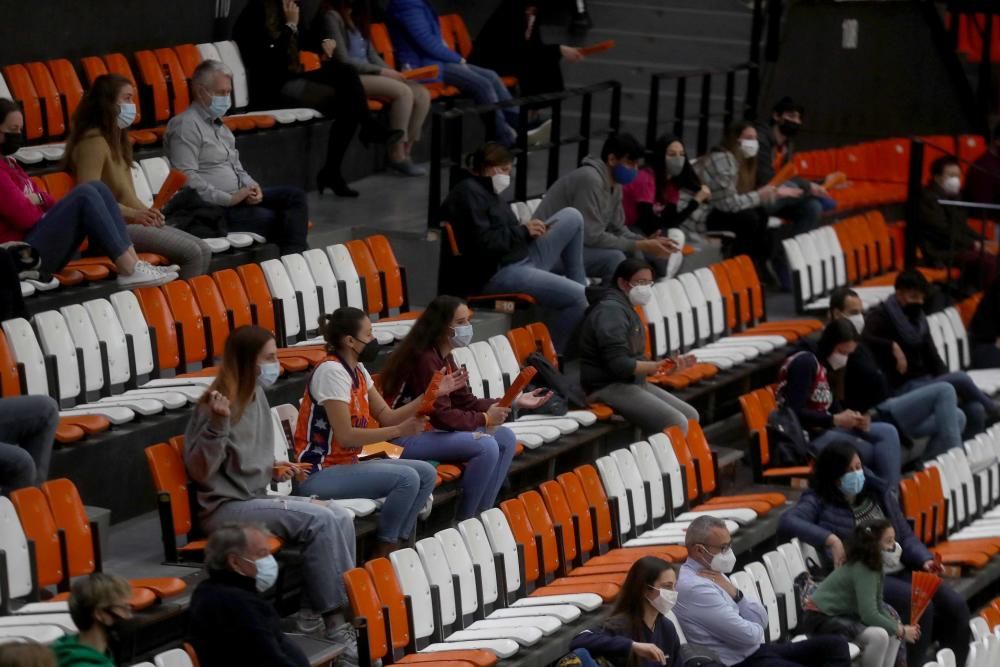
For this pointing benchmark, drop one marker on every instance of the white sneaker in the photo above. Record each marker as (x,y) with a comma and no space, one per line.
(541,134)
(169,268)
(145,275)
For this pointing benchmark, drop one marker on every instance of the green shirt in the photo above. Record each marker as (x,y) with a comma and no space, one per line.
(855,591)
(71,653)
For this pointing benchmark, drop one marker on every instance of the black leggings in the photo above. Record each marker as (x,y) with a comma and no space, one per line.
(335,89)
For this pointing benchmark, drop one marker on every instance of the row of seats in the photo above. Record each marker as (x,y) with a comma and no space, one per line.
(948,330)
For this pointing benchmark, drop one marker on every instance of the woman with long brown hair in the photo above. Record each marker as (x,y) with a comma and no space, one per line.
(229,454)
(98,149)
(638,631)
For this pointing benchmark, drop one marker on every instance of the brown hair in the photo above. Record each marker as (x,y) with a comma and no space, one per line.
(746,175)
(628,611)
(355,13)
(865,545)
(98,110)
(27,654)
(96,591)
(237,378)
(490,154)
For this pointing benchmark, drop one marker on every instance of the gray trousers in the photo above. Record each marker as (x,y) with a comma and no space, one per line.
(645,405)
(27,429)
(185,250)
(325,534)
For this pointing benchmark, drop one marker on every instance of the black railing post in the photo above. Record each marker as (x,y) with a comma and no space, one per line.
(585,110)
(913,187)
(652,117)
(434,196)
(985,83)
(455,131)
(704,110)
(679,107)
(775,10)
(553,172)
(615,124)
(729,106)
(521,175)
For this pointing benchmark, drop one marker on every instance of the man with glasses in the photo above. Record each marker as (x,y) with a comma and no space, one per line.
(715,614)
(97,604)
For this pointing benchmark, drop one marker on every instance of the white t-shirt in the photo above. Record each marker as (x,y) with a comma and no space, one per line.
(332,382)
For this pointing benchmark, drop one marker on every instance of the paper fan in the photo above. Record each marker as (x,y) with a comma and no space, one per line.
(517,386)
(922,589)
(175,181)
(430,394)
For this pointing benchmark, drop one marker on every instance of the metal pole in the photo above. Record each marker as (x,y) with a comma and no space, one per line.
(730,103)
(679,107)
(556,146)
(652,118)
(704,109)
(588,102)
(434,198)
(616,107)
(913,187)
(521,177)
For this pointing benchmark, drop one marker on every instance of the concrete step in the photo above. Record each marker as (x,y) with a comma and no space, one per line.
(695,20)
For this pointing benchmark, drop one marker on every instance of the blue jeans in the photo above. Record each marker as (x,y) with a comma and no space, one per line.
(405,485)
(602,263)
(931,410)
(561,245)
(803,213)
(88,211)
(487,457)
(282,217)
(485,87)
(878,449)
(976,405)
(27,430)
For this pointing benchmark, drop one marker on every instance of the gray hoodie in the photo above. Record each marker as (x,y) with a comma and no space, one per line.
(589,189)
(234,462)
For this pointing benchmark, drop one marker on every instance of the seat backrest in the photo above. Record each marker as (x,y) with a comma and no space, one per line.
(175,657)
(10,378)
(766,590)
(653,318)
(40,527)
(207,51)
(560,514)
(435,567)
(459,565)
(597,494)
(543,526)
(463,40)
(71,518)
(229,53)
(794,560)
(389,592)
(257,292)
(382,44)
(324,278)
(158,317)
(156,170)
(302,280)
(782,582)
(478,545)
(464,357)
(234,296)
(683,454)
(385,261)
(56,342)
(59,183)
(155,81)
(745,265)
(414,584)
(184,307)
(725,293)
(521,342)
(85,339)
(364,264)
(699,304)
(635,483)
(756,422)
(581,507)
(280,286)
(176,78)
(28,354)
(23,90)
(668,465)
(543,342)
(520,527)
(713,296)
(743,581)
(365,604)
(502,542)
(505,356)
(67,83)
(489,368)
(15,547)
(189,57)
(210,304)
(701,452)
(45,86)
(166,467)
(109,330)
(649,470)
(133,323)
(343,268)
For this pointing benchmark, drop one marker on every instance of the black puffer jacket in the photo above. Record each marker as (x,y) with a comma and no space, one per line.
(612,339)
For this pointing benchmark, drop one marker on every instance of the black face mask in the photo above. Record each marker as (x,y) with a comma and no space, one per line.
(789,128)
(370,352)
(913,310)
(12,142)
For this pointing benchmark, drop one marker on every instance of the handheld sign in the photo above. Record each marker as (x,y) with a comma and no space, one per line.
(790,170)
(429,72)
(175,181)
(517,386)
(430,394)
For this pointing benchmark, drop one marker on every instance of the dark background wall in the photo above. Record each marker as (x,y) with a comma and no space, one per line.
(44,29)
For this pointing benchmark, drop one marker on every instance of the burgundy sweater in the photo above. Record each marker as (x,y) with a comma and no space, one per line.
(17,214)
(459,411)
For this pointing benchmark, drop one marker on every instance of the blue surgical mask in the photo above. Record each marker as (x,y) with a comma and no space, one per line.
(462,335)
(267,572)
(268,373)
(126,115)
(623,175)
(852,482)
(219,105)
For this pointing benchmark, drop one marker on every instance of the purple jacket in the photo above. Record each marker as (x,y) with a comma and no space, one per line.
(812,519)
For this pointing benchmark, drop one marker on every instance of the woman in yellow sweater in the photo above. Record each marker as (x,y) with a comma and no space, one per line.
(98,149)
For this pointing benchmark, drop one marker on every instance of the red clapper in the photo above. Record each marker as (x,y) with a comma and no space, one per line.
(517,386)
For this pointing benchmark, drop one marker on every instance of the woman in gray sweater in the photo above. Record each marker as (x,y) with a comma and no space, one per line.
(229,455)
(342,28)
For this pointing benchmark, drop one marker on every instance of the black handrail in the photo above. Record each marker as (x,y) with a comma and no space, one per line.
(705,112)
(447,136)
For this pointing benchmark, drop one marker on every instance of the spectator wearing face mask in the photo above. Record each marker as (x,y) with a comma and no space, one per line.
(945,235)
(501,254)
(930,411)
(715,614)
(98,604)
(613,366)
(230,624)
(638,632)
(900,319)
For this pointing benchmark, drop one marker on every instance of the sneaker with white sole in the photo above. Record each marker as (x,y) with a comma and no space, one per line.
(541,134)
(145,275)
(346,637)
(169,268)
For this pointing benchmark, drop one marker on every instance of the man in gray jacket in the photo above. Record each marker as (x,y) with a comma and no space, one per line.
(595,190)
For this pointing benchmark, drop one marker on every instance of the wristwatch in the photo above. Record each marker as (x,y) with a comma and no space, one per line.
(739,596)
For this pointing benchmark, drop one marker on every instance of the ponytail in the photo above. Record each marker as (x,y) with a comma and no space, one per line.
(339,324)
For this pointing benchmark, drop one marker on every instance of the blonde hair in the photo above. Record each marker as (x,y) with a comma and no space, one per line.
(97,591)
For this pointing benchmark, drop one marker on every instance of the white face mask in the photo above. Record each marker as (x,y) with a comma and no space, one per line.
(858,320)
(952,185)
(837,360)
(749,147)
(500,182)
(722,563)
(640,295)
(664,601)
(892,559)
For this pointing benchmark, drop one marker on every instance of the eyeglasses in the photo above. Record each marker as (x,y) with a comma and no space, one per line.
(722,548)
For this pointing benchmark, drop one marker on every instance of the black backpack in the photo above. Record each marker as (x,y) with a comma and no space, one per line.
(552,378)
(787,440)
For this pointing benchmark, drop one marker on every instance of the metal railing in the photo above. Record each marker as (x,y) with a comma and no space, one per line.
(448,136)
(705,110)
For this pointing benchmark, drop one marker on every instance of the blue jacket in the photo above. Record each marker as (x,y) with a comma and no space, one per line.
(812,519)
(416,35)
